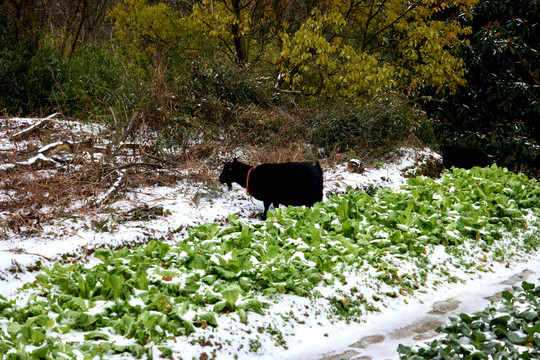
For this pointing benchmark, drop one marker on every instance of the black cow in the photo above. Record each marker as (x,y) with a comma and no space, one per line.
(289,183)
(464,157)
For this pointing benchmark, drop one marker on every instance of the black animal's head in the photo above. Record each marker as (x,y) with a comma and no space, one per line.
(229,173)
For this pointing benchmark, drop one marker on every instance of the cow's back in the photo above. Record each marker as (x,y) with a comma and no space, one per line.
(464,157)
(291,183)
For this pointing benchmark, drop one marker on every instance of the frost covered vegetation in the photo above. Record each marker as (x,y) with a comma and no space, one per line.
(507,329)
(207,295)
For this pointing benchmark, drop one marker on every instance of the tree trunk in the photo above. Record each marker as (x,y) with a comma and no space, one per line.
(78,32)
(238,38)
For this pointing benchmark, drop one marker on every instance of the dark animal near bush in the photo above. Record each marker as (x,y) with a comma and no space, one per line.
(289,183)
(464,157)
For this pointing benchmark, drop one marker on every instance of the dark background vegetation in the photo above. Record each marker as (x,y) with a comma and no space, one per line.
(62,56)
(499,108)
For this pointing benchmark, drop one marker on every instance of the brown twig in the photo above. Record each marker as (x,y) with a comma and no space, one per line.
(129,127)
(137,164)
(161,160)
(14,262)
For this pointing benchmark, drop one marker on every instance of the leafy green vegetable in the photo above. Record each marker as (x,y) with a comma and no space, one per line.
(157,292)
(494,336)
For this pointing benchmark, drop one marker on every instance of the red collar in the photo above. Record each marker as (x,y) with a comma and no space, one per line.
(247,180)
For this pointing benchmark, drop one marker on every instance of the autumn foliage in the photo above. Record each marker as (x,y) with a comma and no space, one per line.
(337,74)
(340,49)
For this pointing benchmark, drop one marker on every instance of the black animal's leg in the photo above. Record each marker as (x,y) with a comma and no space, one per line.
(266,207)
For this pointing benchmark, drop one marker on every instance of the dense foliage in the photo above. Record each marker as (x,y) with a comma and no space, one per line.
(374,128)
(358,250)
(248,68)
(345,49)
(499,107)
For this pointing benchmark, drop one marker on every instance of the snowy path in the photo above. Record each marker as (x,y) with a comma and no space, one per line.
(379,338)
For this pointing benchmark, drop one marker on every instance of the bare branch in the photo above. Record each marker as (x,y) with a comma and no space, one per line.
(32,129)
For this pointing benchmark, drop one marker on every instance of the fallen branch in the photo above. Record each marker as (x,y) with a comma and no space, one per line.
(11,222)
(42,159)
(161,160)
(38,162)
(16,264)
(101,149)
(51,149)
(18,251)
(144,148)
(30,130)
(129,127)
(136,164)
(112,190)
(115,150)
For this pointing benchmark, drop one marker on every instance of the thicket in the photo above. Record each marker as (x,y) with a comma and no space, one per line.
(343,75)
(499,107)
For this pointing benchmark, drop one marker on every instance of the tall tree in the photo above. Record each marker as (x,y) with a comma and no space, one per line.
(359,47)
(147,31)
(344,48)
(241,25)
(18,22)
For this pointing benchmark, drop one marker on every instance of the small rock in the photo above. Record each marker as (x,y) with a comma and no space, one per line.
(368,340)
(442,307)
(356,166)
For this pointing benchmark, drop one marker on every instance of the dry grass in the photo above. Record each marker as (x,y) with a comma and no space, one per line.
(35,197)
(276,154)
(31,197)
(268,128)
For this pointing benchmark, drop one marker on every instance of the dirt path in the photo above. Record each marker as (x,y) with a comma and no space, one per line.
(395,329)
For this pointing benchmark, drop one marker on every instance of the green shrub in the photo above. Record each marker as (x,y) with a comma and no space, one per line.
(92,83)
(271,127)
(28,78)
(96,82)
(374,128)
(499,108)
(232,85)
(213,91)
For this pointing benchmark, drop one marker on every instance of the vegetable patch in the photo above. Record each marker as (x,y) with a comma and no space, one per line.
(337,261)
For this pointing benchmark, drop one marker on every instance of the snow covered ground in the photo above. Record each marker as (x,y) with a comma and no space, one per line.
(189,204)
(408,324)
